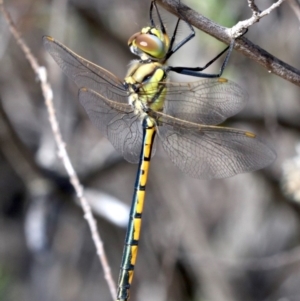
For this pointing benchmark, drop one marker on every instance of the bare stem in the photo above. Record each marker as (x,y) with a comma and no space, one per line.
(41,74)
(256,16)
(253,6)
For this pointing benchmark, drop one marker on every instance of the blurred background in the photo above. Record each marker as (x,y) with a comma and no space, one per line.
(218,240)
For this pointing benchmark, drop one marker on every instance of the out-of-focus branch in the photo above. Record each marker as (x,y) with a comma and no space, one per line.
(243,45)
(16,154)
(283,259)
(41,74)
(295,6)
(290,180)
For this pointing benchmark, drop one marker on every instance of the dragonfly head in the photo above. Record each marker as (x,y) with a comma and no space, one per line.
(149,44)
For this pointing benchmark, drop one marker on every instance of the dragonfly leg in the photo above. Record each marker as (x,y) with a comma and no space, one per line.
(162,26)
(196,71)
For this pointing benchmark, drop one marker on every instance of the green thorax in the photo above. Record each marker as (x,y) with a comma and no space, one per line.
(148,82)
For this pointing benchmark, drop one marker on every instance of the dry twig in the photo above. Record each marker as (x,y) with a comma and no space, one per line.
(256,16)
(41,74)
(253,6)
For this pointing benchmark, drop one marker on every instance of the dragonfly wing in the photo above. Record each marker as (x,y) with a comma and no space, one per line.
(208,152)
(209,101)
(85,73)
(118,121)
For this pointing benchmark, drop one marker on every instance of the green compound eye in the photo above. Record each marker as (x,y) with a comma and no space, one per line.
(148,43)
(151,45)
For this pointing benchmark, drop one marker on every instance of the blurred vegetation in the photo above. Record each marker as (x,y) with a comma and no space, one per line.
(231,239)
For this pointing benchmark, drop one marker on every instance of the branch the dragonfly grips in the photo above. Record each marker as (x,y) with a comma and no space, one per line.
(271,63)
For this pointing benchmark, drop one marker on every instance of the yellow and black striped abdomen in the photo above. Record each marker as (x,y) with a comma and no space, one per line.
(135,219)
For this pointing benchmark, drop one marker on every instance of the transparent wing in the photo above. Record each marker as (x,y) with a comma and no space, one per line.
(108,109)
(209,101)
(85,73)
(209,152)
(119,122)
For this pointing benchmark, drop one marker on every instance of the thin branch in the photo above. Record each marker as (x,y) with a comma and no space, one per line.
(240,27)
(17,154)
(272,7)
(41,74)
(253,6)
(243,45)
(276,261)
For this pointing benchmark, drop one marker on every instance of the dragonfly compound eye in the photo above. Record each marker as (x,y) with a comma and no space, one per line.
(148,44)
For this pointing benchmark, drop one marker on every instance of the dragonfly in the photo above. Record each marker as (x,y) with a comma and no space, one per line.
(185,117)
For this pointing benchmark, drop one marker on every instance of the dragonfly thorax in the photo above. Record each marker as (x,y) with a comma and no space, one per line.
(146,83)
(149,44)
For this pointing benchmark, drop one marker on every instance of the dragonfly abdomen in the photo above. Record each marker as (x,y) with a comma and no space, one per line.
(135,219)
